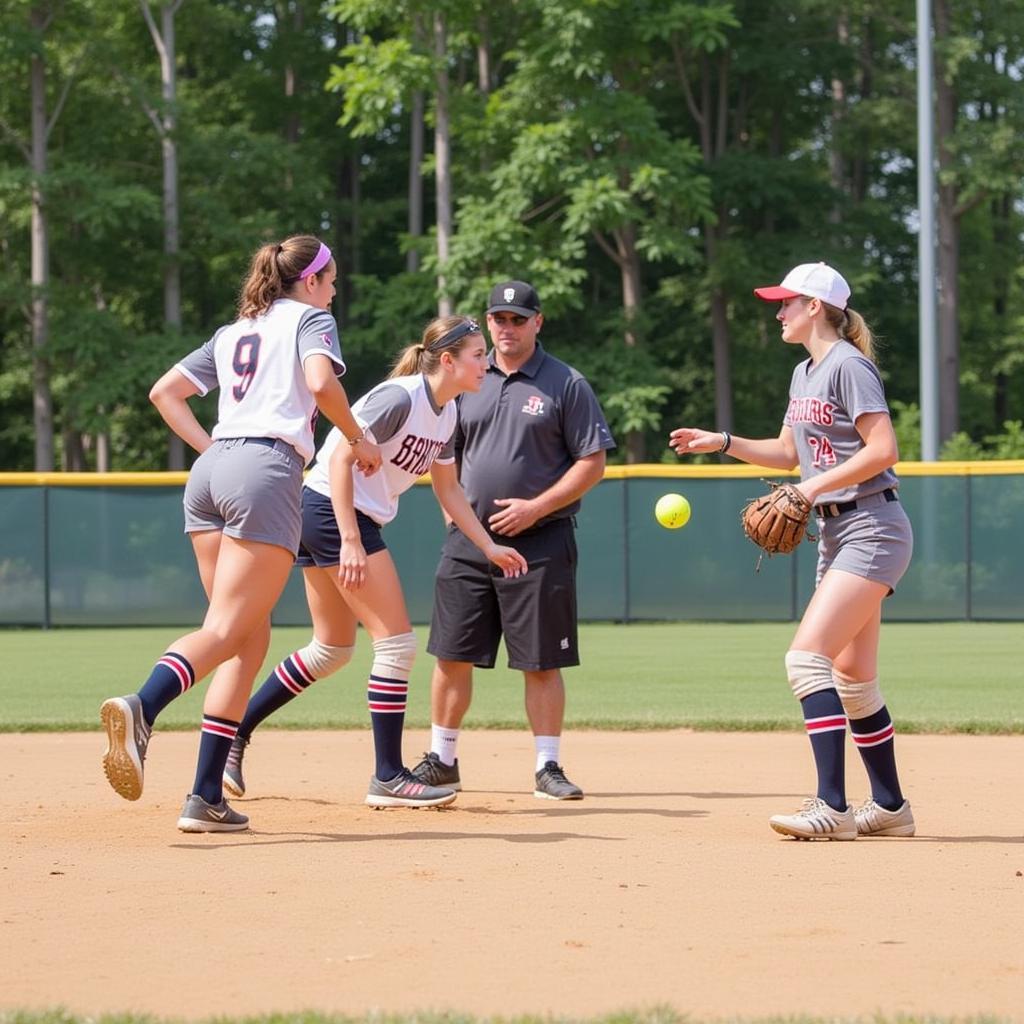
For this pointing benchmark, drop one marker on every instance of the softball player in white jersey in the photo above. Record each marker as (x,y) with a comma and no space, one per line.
(275,365)
(348,571)
(837,428)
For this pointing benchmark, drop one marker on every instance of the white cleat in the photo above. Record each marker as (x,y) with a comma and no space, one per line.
(875,820)
(816,820)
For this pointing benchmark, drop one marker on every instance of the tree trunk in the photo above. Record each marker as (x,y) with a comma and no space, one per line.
(412,257)
(835,163)
(355,196)
(442,161)
(485,78)
(166,125)
(720,340)
(1002,236)
(865,85)
(103,452)
(629,271)
(42,400)
(948,254)
(73,452)
(293,122)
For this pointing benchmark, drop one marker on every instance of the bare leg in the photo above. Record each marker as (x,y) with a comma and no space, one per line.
(451,690)
(545,702)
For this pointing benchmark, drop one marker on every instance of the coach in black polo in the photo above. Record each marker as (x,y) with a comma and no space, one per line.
(530,444)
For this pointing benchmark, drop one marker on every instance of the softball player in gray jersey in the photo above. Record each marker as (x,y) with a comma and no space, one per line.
(275,365)
(837,428)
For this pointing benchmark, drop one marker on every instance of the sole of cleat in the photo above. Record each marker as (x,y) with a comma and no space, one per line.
(123,774)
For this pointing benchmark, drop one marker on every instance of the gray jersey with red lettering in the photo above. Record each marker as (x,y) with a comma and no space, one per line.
(825,400)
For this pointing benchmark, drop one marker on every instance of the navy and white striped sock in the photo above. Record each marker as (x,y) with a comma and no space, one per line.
(825,721)
(386,697)
(875,738)
(214,746)
(172,675)
(288,680)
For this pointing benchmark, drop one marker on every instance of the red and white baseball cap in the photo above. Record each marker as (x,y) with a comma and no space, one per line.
(815,280)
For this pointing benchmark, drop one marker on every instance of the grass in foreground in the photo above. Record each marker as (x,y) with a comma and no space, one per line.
(938,677)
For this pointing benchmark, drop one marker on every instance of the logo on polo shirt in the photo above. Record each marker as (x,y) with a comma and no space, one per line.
(534,405)
(326,339)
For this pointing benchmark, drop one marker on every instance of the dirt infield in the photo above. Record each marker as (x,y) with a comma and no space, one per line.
(664,886)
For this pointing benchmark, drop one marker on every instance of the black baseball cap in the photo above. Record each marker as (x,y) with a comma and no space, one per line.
(514,297)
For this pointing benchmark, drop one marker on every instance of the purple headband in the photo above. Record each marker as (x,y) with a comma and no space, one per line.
(320,260)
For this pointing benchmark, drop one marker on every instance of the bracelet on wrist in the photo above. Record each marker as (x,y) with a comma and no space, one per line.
(355,440)
(726,442)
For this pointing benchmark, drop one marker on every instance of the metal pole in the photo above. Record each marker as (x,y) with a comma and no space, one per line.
(927,337)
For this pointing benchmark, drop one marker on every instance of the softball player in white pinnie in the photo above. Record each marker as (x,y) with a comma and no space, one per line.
(275,365)
(348,571)
(837,427)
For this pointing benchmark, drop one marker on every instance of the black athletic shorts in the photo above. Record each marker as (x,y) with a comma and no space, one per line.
(474,604)
(321,539)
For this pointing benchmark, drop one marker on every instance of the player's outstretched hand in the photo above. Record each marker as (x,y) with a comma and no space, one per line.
(508,560)
(516,515)
(367,455)
(691,441)
(352,568)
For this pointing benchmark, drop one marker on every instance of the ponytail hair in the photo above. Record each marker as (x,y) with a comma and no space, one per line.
(442,334)
(853,327)
(273,271)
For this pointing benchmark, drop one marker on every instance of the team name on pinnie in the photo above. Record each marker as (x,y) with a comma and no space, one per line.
(810,410)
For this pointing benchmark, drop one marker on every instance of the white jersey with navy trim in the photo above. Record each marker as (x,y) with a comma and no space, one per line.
(825,400)
(400,416)
(258,365)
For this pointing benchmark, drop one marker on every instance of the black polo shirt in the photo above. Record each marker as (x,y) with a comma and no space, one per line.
(521,433)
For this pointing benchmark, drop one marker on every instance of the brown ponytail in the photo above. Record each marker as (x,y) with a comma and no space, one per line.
(422,357)
(853,327)
(273,271)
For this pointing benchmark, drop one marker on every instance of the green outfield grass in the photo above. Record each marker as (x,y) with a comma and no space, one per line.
(956,677)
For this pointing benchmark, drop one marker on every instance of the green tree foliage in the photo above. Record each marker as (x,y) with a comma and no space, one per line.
(644,164)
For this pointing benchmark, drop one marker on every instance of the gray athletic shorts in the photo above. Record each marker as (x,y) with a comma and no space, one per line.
(474,604)
(249,488)
(875,541)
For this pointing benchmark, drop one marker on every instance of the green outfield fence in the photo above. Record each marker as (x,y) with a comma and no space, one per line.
(107,549)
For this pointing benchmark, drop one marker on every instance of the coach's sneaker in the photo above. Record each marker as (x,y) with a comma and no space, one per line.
(874,820)
(405,790)
(127,739)
(434,772)
(553,785)
(816,820)
(233,780)
(199,816)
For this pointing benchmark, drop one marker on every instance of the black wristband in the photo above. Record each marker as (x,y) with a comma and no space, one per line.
(726,442)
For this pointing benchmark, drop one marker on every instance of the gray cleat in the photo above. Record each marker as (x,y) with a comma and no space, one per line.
(434,772)
(199,816)
(127,739)
(405,790)
(553,785)
(233,780)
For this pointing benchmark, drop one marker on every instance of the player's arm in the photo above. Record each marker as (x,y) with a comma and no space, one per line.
(170,395)
(352,563)
(332,401)
(880,451)
(774,452)
(452,498)
(518,514)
